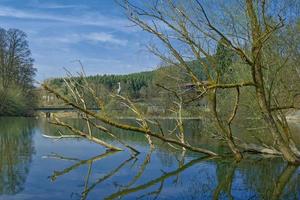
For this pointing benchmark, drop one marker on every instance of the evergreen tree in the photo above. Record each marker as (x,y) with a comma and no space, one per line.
(224,57)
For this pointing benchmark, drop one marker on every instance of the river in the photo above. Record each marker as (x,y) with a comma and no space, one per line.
(35,167)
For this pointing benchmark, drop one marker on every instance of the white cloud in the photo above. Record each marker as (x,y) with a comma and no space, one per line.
(10,12)
(57,6)
(104,37)
(93,19)
(95,37)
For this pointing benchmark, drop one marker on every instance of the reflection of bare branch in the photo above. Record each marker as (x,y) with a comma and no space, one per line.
(283,180)
(226,182)
(141,170)
(87,179)
(156,193)
(82,162)
(180,163)
(107,176)
(59,157)
(157,180)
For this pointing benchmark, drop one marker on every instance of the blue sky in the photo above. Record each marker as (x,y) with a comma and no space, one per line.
(93,31)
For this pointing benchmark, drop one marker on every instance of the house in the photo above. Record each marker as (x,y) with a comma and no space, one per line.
(191,93)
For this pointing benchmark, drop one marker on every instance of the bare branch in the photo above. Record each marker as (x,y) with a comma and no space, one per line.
(128,127)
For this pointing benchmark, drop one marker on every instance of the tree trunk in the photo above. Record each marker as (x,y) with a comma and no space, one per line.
(224,132)
(257,75)
(283,147)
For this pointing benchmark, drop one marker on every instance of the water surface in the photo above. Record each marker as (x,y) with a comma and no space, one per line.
(34,167)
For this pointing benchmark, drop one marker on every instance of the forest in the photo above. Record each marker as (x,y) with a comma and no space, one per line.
(144,88)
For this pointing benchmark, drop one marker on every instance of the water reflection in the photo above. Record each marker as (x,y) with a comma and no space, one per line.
(56,174)
(194,178)
(160,180)
(88,188)
(16,149)
(225,172)
(249,179)
(77,169)
(229,180)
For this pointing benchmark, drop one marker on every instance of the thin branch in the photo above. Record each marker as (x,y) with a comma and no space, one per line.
(284,107)
(128,127)
(84,135)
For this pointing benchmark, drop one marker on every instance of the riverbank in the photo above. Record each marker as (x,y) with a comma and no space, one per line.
(291,117)
(74,115)
(294,116)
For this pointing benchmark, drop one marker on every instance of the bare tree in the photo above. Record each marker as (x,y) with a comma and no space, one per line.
(187,27)
(187,31)
(16,70)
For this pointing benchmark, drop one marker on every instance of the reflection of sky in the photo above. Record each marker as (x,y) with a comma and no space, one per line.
(251,178)
(96,32)
(39,186)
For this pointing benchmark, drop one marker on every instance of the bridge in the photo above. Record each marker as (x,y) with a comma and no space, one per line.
(48,110)
(61,109)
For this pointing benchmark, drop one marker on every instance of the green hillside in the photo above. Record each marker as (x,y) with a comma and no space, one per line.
(135,85)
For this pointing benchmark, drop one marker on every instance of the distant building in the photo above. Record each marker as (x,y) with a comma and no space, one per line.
(153,109)
(190,92)
(45,98)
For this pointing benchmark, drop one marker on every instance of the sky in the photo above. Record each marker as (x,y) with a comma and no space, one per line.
(96,32)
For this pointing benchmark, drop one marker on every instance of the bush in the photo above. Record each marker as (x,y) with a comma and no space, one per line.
(15,102)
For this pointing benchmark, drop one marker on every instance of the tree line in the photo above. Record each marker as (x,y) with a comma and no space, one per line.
(131,84)
(140,86)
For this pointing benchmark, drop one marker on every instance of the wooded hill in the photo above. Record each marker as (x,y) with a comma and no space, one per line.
(135,85)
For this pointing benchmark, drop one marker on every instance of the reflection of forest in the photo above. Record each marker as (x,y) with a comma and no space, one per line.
(197,133)
(194,133)
(223,179)
(203,178)
(270,178)
(16,149)
(251,178)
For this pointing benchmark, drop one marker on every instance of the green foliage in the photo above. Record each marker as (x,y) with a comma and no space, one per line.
(16,74)
(131,84)
(224,57)
(16,153)
(135,85)
(15,103)
(141,87)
